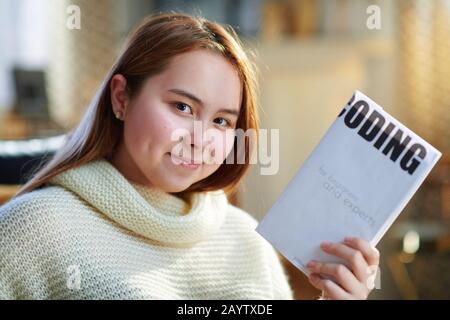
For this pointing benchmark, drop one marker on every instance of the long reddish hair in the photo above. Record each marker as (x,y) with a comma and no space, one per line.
(147,52)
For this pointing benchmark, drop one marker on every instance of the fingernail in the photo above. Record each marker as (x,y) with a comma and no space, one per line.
(326,245)
(311,264)
(348,239)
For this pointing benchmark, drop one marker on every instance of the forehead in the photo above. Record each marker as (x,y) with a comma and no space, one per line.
(206,74)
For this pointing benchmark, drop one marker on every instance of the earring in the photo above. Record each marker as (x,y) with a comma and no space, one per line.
(119,115)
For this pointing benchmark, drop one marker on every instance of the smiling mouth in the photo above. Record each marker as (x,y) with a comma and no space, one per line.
(185,162)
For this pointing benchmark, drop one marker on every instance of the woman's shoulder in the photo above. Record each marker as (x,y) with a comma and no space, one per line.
(243,225)
(33,207)
(35,221)
(32,234)
(237,215)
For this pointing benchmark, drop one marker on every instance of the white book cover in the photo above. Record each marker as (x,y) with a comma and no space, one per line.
(356,182)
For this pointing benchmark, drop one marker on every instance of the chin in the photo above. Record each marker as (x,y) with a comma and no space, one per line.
(174,188)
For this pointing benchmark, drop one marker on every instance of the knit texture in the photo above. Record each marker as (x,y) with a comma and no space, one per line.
(92,234)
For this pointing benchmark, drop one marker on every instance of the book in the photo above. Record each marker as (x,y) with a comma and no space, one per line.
(356,182)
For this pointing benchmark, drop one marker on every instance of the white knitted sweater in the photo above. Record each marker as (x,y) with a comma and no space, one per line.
(92,234)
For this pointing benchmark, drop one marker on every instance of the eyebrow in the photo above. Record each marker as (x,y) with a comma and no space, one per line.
(200,102)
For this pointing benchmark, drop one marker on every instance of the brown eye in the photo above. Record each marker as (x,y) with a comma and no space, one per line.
(224,123)
(183,107)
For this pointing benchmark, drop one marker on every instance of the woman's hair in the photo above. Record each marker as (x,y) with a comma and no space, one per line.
(147,52)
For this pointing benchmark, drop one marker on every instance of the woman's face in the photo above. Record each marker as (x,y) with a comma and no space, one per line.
(199,89)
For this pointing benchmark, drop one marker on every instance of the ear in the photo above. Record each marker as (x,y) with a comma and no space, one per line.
(119,96)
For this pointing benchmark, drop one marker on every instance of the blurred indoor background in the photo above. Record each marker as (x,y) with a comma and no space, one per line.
(312,55)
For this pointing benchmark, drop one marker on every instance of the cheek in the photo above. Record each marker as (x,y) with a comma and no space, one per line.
(229,141)
(220,147)
(148,131)
(225,144)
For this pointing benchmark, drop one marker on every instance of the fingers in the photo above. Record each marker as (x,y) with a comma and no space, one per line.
(350,277)
(344,277)
(355,258)
(330,289)
(370,253)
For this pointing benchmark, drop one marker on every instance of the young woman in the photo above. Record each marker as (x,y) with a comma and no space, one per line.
(119,213)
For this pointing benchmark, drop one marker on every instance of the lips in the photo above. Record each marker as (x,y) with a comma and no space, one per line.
(186,161)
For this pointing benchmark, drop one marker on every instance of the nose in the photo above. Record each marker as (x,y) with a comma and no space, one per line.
(198,139)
